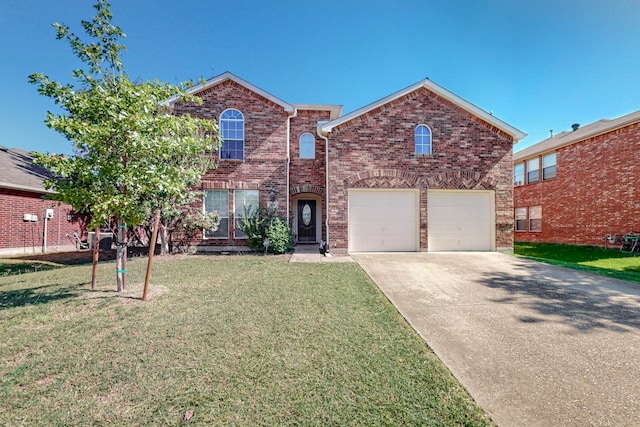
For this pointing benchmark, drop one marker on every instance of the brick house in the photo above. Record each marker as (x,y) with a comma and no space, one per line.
(421,169)
(579,186)
(23,210)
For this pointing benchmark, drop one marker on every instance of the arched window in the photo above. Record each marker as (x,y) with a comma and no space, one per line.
(423,139)
(307,146)
(232,133)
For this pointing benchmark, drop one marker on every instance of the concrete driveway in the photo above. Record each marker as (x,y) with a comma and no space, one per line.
(535,345)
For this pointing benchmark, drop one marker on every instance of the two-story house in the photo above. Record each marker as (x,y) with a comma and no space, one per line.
(579,186)
(421,169)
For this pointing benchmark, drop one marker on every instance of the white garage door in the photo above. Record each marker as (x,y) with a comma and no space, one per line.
(461,220)
(383,220)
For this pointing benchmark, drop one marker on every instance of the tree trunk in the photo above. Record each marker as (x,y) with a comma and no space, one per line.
(121,257)
(96,252)
(164,239)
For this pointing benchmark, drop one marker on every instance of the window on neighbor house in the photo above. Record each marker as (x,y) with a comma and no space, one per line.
(307,146)
(521,219)
(423,139)
(218,201)
(232,133)
(244,201)
(518,174)
(549,166)
(533,170)
(535,218)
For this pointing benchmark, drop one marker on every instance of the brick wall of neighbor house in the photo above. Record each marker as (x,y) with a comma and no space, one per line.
(308,175)
(22,237)
(468,153)
(596,191)
(264,166)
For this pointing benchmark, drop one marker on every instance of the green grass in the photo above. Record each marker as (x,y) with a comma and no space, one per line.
(606,262)
(238,340)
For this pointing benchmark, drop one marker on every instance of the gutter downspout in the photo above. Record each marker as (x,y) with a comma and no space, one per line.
(326,185)
(291,116)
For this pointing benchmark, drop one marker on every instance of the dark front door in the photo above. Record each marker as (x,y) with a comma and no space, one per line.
(306,221)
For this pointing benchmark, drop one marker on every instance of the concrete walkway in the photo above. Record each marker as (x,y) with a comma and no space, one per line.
(535,345)
(310,253)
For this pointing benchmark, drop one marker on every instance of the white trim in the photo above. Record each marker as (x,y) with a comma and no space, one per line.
(428,84)
(229,76)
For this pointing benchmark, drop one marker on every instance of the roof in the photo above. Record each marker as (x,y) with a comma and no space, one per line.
(226,76)
(571,137)
(18,172)
(439,90)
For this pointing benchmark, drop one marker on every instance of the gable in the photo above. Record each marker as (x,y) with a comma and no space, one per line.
(440,93)
(208,86)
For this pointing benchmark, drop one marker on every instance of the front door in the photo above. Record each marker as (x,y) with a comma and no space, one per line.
(306,221)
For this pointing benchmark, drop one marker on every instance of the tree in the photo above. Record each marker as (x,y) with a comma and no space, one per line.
(131,155)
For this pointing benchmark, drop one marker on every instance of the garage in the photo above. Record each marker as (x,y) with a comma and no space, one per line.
(461,220)
(383,220)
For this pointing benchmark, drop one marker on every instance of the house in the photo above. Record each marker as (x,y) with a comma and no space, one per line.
(579,186)
(420,169)
(24,212)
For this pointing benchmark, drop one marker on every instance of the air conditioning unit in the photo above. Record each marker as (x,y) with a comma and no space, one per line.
(27,217)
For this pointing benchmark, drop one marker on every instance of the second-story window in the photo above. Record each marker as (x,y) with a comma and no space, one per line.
(307,146)
(518,174)
(423,139)
(549,166)
(533,170)
(232,133)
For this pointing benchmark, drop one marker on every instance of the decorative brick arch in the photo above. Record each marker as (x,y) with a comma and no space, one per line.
(383,178)
(315,189)
(461,180)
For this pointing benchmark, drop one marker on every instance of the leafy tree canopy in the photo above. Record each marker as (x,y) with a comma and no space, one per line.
(131,154)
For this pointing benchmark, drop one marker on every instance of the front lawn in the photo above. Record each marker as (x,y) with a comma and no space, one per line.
(236,340)
(606,262)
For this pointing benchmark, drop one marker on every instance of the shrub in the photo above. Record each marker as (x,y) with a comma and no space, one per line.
(260,225)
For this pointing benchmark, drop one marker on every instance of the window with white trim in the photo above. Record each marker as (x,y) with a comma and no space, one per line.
(244,201)
(518,174)
(423,139)
(535,218)
(307,146)
(232,133)
(533,170)
(549,166)
(218,201)
(521,219)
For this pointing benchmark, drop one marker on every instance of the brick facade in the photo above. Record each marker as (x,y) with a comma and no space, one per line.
(18,236)
(596,190)
(376,150)
(471,151)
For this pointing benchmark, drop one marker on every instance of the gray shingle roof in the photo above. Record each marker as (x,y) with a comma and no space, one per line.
(571,137)
(18,172)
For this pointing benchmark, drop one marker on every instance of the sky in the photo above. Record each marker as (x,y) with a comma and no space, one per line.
(538,65)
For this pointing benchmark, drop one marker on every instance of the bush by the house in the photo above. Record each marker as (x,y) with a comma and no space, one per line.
(260,225)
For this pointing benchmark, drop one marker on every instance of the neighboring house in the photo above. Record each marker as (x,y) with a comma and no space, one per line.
(579,186)
(421,169)
(23,208)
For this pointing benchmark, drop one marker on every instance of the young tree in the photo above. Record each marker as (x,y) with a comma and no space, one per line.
(130,153)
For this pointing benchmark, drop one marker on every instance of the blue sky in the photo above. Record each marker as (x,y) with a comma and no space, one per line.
(538,65)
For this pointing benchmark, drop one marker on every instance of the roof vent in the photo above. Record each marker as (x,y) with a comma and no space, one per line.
(575,126)
(551,132)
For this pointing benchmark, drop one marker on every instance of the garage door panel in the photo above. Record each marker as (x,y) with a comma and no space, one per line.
(383,220)
(460,220)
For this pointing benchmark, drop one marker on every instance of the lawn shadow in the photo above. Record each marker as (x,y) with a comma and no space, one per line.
(36,296)
(583,301)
